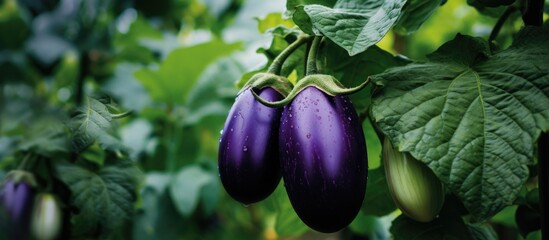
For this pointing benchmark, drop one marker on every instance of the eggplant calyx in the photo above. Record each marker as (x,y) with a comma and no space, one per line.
(261,80)
(21,176)
(326,83)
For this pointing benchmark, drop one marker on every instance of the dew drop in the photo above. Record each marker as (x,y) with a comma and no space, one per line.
(231,129)
(308,135)
(221,132)
(245,149)
(349,118)
(290,115)
(291,126)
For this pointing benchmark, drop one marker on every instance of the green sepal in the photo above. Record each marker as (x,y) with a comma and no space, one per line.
(21,176)
(326,83)
(260,80)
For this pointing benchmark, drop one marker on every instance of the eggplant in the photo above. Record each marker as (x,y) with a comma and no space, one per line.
(323,159)
(16,201)
(416,190)
(248,161)
(47,218)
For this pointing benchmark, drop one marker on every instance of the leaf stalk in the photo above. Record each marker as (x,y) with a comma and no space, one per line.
(500,22)
(311,59)
(276,66)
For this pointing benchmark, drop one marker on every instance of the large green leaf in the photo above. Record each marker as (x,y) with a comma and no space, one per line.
(415,13)
(353,25)
(352,71)
(191,185)
(472,117)
(93,122)
(214,92)
(104,198)
(448,225)
(47,137)
(176,75)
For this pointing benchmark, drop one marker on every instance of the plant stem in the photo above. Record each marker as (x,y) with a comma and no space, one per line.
(25,161)
(83,67)
(311,59)
(276,66)
(533,13)
(500,22)
(543,182)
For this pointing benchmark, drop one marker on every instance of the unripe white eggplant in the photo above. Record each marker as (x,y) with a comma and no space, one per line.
(47,217)
(416,190)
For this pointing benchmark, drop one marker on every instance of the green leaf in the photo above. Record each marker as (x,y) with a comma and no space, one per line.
(414,14)
(472,117)
(482,232)
(372,227)
(292,4)
(352,71)
(47,137)
(93,122)
(12,21)
(177,74)
(126,89)
(287,222)
(104,198)
(372,144)
(273,20)
(377,200)
(157,215)
(214,93)
(188,187)
(448,225)
(536,235)
(355,26)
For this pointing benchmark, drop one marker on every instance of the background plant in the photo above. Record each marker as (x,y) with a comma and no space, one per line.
(72,70)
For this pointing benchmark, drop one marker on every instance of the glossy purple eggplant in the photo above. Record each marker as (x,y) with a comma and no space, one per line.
(249,165)
(323,159)
(16,201)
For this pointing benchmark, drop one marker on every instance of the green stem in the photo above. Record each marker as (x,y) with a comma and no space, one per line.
(79,88)
(311,59)
(532,14)
(276,66)
(25,161)
(500,22)
(121,115)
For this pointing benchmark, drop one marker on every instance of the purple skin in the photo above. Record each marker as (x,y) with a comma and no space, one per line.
(16,201)
(323,159)
(249,165)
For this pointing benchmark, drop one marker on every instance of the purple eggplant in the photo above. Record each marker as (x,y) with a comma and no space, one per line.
(323,159)
(16,202)
(249,165)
